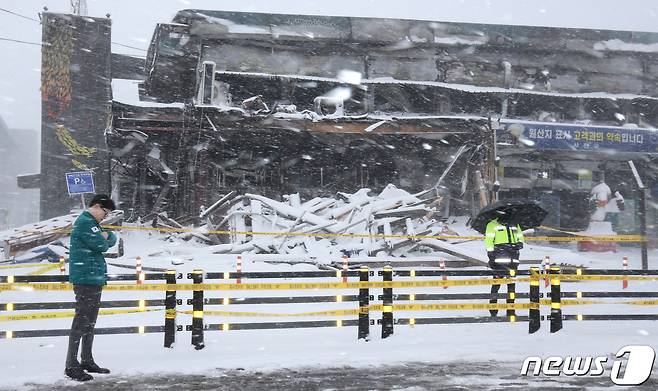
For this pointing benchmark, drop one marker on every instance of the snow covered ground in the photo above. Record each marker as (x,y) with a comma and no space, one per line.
(38,363)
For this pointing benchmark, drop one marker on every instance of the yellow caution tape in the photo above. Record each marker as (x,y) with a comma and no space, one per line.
(576,238)
(276,315)
(343,312)
(320,285)
(557,230)
(67,314)
(568,302)
(23,265)
(271,286)
(580,277)
(378,308)
(611,238)
(44,270)
(464,306)
(638,302)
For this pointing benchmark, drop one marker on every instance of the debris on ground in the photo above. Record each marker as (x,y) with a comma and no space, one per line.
(358,224)
(48,239)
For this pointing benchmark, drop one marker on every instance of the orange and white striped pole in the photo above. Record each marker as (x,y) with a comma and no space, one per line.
(62,265)
(345,264)
(624,282)
(138,270)
(442,267)
(238,268)
(547,266)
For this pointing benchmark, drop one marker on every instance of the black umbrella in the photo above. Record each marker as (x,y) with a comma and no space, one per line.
(522,211)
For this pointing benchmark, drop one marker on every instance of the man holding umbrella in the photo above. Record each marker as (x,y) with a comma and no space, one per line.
(503,223)
(503,241)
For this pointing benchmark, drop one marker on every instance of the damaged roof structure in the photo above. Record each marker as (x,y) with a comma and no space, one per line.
(291,110)
(284,104)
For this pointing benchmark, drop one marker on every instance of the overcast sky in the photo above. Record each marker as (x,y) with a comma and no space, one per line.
(133,22)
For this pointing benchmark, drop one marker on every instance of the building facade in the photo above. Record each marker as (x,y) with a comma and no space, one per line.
(276,104)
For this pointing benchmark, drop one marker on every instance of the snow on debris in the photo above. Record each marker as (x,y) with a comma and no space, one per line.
(126,91)
(345,224)
(617,45)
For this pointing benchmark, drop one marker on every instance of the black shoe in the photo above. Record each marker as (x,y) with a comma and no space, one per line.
(77,374)
(94,368)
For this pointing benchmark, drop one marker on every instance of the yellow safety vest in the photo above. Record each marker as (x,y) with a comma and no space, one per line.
(498,233)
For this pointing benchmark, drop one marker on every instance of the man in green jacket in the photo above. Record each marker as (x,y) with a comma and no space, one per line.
(87,273)
(503,241)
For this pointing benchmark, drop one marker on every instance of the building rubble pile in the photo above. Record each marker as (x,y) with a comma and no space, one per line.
(320,230)
(327,227)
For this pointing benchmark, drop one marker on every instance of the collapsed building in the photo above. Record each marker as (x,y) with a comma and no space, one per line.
(282,104)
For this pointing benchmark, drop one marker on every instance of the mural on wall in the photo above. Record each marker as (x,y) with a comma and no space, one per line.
(67,140)
(56,87)
(56,68)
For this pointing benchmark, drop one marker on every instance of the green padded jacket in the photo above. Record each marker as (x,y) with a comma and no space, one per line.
(86,262)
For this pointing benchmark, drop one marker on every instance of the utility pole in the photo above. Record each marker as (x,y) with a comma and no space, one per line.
(642,191)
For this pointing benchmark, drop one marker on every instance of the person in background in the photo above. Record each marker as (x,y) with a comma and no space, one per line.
(88,275)
(600,194)
(503,242)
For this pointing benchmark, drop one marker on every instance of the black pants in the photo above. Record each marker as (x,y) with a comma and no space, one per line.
(502,270)
(87,304)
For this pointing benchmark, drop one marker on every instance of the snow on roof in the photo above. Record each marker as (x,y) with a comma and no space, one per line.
(617,45)
(126,91)
(457,87)
(420,116)
(501,90)
(455,41)
(232,27)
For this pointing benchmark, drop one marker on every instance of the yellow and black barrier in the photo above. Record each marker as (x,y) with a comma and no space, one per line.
(388,307)
(9,283)
(556,298)
(197,309)
(170,310)
(373,308)
(320,285)
(268,286)
(511,293)
(364,306)
(534,316)
(387,300)
(342,312)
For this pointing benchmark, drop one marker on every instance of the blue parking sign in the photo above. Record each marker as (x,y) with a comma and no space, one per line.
(80,182)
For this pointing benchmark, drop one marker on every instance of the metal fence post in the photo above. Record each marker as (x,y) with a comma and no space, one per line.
(387,310)
(364,303)
(511,295)
(556,302)
(197,311)
(170,310)
(533,314)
